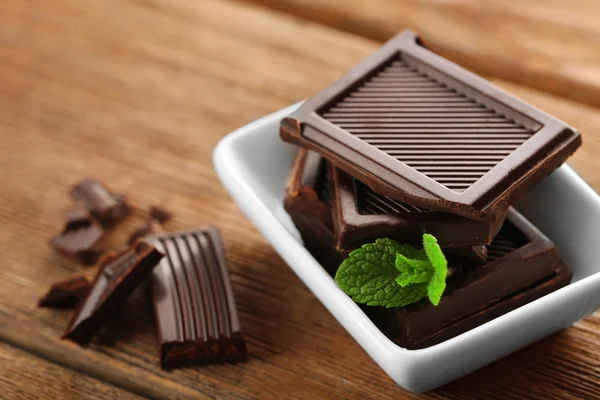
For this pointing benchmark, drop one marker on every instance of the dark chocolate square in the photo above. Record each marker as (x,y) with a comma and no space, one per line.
(418,128)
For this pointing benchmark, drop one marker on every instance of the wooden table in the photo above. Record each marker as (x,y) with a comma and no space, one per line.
(138,92)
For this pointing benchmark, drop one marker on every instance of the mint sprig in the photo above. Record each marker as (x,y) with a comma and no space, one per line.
(437,284)
(389,274)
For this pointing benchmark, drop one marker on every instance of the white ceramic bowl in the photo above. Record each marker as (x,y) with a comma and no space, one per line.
(253,165)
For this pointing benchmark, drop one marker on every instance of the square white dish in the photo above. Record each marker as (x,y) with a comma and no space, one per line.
(253,165)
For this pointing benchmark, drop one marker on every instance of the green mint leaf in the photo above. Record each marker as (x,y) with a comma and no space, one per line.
(369,275)
(389,274)
(408,265)
(437,284)
(412,271)
(418,277)
(410,252)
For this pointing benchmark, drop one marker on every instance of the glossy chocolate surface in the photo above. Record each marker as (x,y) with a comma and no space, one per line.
(196,316)
(419,129)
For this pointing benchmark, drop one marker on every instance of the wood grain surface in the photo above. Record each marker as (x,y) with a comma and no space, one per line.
(25,376)
(137,93)
(551,45)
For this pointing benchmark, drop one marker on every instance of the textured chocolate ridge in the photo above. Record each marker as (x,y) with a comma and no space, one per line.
(406,146)
(501,246)
(197,320)
(451,151)
(371,203)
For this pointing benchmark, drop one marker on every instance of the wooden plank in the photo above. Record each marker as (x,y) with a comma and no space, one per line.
(137,93)
(549,45)
(27,377)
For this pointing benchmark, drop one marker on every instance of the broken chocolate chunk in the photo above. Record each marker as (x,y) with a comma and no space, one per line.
(117,277)
(108,207)
(66,293)
(80,237)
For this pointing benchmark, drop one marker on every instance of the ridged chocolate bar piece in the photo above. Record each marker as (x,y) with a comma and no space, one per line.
(361,216)
(109,208)
(196,316)
(117,277)
(523,265)
(418,128)
(80,237)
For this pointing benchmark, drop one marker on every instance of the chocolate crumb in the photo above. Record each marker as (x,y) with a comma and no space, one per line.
(160,214)
(146,229)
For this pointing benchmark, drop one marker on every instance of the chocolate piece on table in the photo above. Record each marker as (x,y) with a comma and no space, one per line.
(160,214)
(117,277)
(418,128)
(523,265)
(361,216)
(66,293)
(196,316)
(108,207)
(80,237)
(307,201)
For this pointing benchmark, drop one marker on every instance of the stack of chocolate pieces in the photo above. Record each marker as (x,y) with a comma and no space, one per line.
(196,316)
(409,143)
